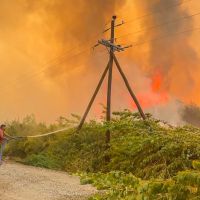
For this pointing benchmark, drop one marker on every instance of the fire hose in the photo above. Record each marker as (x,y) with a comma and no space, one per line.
(39,135)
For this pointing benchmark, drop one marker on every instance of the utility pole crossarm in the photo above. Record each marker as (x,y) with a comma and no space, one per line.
(110,44)
(114,26)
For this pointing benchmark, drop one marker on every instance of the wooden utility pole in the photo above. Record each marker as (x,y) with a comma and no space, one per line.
(109,91)
(110,44)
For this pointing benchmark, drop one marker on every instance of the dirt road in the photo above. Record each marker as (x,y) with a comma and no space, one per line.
(20,182)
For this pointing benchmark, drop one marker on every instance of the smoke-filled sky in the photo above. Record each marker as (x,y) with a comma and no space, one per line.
(48,67)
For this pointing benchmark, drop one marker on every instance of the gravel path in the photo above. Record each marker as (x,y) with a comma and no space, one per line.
(20,182)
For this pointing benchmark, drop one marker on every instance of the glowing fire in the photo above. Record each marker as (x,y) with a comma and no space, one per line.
(156,82)
(155,95)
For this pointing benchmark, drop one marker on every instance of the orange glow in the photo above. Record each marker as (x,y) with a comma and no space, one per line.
(149,99)
(156,82)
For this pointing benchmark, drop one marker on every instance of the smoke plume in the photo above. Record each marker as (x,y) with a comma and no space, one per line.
(172,58)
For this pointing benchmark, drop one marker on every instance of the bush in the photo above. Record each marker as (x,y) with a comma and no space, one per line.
(122,186)
(42,160)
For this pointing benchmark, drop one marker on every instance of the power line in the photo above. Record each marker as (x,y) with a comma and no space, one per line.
(60,59)
(160,25)
(54,62)
(57,60)
(157,11)
(46,66)
(161,37)
(55,65)
(165,36)
(37,73)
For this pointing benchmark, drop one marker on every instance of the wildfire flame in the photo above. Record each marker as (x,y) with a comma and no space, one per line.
(155,95)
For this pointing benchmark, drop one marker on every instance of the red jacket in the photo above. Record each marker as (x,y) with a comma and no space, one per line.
(1,135)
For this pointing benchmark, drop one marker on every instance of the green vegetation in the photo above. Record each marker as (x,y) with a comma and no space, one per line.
(149,160)
(123,186)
